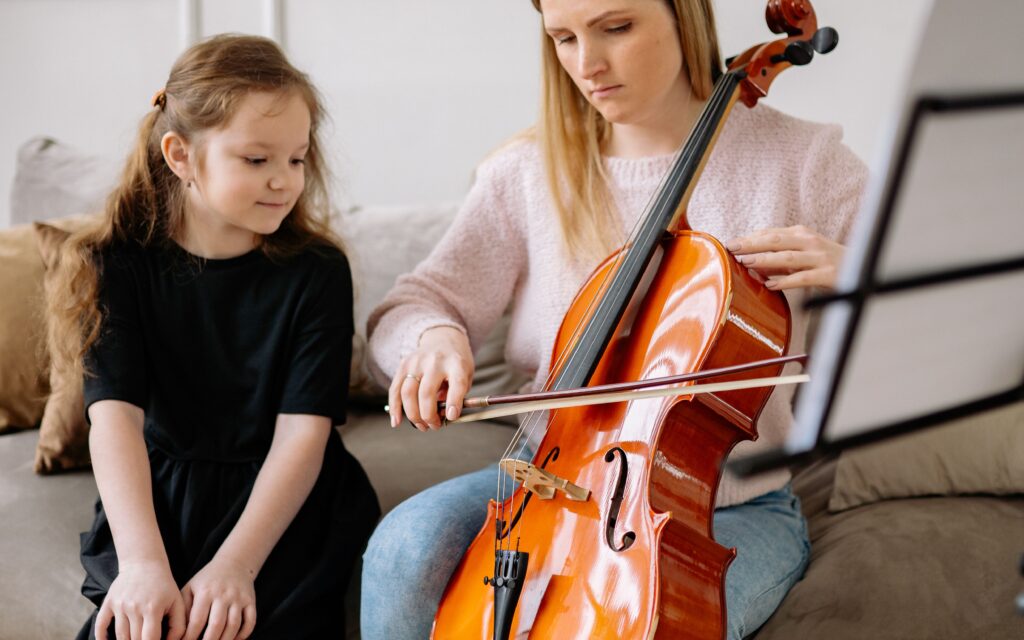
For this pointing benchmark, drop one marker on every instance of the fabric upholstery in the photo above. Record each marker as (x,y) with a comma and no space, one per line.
(64,432)
(23,379)
(982,454)
(379,252)
(53,179)
(936,568)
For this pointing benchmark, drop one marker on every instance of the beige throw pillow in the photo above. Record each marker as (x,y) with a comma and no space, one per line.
(982,454)
(24,364)
(23,371)
(51,180)
(64,432)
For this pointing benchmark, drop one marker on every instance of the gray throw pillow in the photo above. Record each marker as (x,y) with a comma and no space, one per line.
(53,180)
(385,242)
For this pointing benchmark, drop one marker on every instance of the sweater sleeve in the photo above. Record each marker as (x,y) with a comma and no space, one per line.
(831,185)
(466,282)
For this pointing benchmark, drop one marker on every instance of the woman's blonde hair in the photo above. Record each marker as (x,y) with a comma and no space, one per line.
(570,131)
(147,208)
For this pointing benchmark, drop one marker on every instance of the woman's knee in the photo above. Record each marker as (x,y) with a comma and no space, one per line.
(427,532)
(391,544)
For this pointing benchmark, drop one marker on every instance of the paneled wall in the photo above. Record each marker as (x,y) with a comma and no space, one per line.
(418,91)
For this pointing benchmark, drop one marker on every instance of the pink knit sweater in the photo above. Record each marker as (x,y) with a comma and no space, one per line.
(767,170)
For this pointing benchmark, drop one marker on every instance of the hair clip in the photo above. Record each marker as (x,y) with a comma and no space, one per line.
(160,99)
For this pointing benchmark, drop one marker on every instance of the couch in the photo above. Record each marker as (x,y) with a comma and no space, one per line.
(918,538)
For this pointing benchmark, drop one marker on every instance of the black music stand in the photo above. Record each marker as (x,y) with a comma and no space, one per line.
(927,324)
(875,334)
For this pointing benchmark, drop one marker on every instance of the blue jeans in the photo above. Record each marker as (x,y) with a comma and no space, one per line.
(405,568)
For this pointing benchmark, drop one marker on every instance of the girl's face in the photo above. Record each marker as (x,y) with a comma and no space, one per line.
(251,172)
(624,55)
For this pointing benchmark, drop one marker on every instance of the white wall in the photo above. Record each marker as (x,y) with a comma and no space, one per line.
(418,91)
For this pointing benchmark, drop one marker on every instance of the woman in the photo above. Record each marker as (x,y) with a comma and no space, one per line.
(624,81)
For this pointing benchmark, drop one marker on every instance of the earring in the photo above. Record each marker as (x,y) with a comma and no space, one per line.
(188,185)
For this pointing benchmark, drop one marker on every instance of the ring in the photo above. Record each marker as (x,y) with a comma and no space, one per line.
(409,375)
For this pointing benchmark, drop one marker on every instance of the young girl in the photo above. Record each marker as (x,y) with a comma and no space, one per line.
(213,310)
(624,81)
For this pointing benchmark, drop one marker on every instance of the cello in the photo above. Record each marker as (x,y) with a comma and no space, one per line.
(609,534)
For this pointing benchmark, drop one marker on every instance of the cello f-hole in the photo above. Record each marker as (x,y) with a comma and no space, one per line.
(616,502)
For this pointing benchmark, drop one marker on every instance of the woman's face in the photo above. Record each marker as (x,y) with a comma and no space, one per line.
(624,55)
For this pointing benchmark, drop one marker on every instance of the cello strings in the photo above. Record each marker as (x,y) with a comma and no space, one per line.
(530,423)
(518,446)
(607,280)
(705,126)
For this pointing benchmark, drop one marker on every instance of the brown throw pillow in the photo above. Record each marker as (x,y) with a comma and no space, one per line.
(941,568)
(980,454)
(23,384)
(64,432)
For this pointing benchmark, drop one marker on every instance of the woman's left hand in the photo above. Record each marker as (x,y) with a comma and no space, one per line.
(222,599)
(789,258)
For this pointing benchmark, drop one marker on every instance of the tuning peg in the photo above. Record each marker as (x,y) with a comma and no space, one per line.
(797,53)
(825,39)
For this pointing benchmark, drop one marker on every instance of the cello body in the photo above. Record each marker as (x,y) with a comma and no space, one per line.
(617,541)
(637,559)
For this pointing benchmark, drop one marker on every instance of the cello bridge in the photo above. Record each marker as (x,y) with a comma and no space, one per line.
(541,482)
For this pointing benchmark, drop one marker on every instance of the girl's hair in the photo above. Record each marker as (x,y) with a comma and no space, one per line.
(570,130)
(147,208)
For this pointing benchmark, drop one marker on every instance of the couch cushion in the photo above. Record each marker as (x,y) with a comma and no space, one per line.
(379,252)
(63,432)
(42,517)
(386,242)
(53,180)
(23,379)
(979,454)
(24,375)
(403,461)
(915,568)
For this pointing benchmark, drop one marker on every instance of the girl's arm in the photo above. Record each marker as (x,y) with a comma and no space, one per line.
(221,596)
(144,590)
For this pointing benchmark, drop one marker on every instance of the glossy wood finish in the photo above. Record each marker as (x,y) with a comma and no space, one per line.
(668,583)
(655,570)
(795,18)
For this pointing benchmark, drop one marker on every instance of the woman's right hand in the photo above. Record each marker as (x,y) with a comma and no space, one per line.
(142,594)
(443,360)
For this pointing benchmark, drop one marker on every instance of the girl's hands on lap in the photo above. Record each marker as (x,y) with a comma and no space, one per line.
(790,258)
(443,361)
(142,594)
(222,598)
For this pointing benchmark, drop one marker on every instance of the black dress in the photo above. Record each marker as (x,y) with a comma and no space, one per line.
(213,351)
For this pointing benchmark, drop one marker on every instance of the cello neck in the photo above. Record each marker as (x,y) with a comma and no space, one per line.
(667,212)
